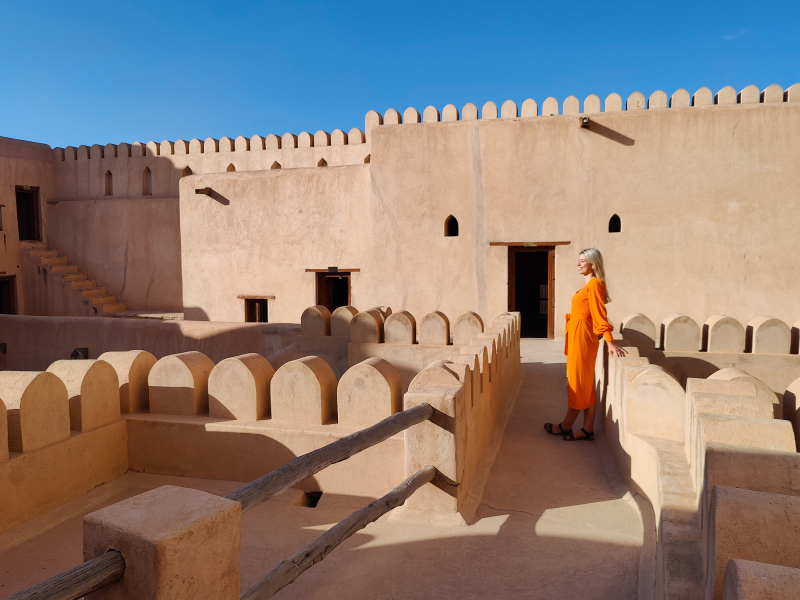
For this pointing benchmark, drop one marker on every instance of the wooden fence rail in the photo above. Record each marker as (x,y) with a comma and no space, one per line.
(291,568)
(76,583)
(108,568)
(282,478)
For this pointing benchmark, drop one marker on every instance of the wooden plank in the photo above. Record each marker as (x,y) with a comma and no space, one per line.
(76,583)
(290,569)
(254,297)
(282,478)
(530,244)
(327,271)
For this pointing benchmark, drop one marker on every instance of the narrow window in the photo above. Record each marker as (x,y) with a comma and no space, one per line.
(109,184)
(366,159)
(147,182)
(186,172)
(230,168)
(322,163)
(451,227)
(276,165)
(614,224)
(255,311)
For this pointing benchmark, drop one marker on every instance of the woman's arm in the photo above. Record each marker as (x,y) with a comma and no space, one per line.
(600,324)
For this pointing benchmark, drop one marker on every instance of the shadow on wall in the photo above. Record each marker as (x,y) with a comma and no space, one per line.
(194,313)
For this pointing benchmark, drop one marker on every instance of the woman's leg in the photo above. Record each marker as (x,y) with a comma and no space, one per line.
(569,420)
(588,418)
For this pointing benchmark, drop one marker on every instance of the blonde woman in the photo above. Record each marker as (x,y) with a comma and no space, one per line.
(586,324)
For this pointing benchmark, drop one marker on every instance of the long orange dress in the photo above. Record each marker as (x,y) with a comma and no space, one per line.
(586,324)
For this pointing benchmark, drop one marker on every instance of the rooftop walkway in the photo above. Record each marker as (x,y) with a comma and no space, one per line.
(555,522)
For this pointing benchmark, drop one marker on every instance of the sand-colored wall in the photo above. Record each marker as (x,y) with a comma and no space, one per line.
(260,231)
(21,163)
(707,197)
(131,247)
(33,343)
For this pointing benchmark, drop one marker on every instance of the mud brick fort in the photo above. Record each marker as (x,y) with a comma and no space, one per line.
(192,406)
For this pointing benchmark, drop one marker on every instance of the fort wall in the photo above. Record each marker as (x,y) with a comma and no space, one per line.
(208,420)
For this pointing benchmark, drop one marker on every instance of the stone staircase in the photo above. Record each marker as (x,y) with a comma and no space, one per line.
(96,298)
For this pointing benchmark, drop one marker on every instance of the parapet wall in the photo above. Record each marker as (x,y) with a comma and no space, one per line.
(240,418)
(703,422)
(154,169)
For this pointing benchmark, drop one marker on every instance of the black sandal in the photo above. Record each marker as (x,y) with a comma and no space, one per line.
(588,436)
(548,427)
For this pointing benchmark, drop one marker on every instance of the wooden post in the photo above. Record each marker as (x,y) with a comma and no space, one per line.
(282,478)
(76,583)
(291,568)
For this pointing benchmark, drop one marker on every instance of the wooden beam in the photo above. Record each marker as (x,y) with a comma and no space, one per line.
(291,568)
(253,297)
(329,271)
(530,243)
(282,478)
(205,190)
(76,583)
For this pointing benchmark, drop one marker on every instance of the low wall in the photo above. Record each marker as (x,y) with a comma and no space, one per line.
(32,343)
(237,419)
(683,421)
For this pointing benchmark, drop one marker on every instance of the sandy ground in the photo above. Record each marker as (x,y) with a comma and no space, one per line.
(554,522)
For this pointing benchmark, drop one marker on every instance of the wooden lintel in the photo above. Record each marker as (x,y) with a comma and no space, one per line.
(529,243)
(340,270)
(254,297)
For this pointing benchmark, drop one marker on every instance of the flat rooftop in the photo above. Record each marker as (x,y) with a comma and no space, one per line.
(555,521)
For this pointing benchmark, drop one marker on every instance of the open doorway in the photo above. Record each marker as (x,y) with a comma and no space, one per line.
(28,220)
(8,296)
(333,289)
(531,275)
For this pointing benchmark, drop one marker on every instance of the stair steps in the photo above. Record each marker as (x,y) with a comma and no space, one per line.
(81,284)
(92,294)
(104,300)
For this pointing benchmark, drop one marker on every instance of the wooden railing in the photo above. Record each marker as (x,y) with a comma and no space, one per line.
(103,570)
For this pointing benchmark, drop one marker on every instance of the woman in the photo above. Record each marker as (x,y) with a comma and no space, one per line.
(586,324)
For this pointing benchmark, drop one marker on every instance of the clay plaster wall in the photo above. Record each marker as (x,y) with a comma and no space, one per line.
(707,197)
(131,247)
(21,163)
(260,231)
(32,343)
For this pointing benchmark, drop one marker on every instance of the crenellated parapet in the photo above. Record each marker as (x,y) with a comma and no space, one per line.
(719,334)
(592,104)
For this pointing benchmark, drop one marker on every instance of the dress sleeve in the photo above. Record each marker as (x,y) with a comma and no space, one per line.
(597,306)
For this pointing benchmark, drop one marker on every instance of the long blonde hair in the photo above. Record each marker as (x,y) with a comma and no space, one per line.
(593,256)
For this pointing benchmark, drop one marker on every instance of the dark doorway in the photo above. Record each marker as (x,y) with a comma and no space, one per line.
(8,296)
(333,290)
(28,214)
(531,274)
(256,310)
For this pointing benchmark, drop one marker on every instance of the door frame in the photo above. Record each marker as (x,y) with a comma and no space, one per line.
(551,277)
(37,209)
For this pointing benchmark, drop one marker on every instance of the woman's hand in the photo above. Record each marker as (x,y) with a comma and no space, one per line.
(614,350)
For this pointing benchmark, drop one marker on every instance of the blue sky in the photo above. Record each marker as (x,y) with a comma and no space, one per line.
(110,72)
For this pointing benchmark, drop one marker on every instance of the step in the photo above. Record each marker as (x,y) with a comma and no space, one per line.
(104,300)
(55,260)
(74,277)
(37,245)
(45,253)
(65,268)
(81,284)
(94,292)
(114,308)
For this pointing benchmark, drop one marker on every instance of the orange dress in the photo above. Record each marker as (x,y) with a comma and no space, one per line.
(586,324)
